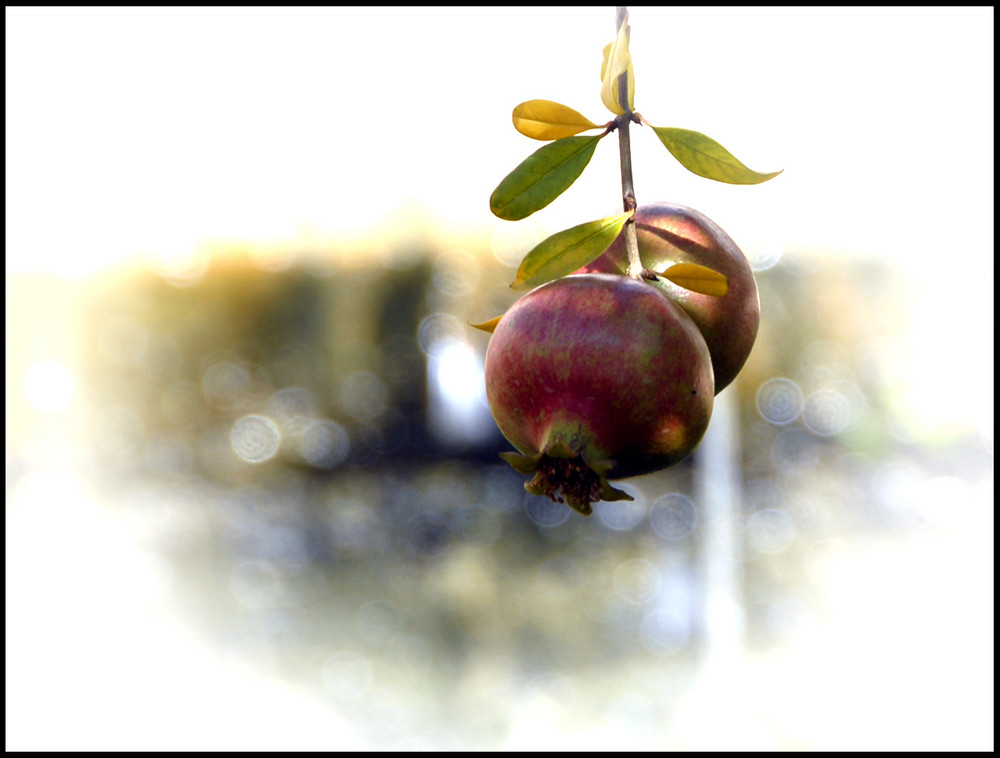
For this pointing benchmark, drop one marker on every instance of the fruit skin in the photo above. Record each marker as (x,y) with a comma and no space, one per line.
(597,376)
(670,233)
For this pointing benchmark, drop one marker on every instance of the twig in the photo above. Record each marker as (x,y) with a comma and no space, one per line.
(625,153)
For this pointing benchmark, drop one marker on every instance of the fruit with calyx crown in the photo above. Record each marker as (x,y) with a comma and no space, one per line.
(669,233)
(595,377)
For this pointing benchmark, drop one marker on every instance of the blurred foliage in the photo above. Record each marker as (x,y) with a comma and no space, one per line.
(271,432)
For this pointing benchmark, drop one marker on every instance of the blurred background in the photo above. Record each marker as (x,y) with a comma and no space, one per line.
(253,492)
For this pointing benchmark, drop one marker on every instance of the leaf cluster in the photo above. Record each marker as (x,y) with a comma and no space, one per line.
(552,169)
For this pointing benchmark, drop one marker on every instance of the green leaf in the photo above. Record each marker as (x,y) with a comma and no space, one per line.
(705,157)
(542,177)
(697,278)
(548,120)
(566,251)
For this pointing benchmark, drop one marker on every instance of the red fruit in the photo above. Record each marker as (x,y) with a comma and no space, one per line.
(593,377)
(669,233)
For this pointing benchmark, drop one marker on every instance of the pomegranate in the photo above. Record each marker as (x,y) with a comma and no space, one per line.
(669,233)
(597,376)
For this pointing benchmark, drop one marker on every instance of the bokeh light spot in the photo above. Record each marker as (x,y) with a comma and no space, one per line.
(291,403)
(827,412)
(226,384)
(622,515)
(674,516)
(636,580)
(437,331)
(779,401)
(347,675)
(255,438)
(770,531)
(181,267)
(324,443)
(545,512)
(764,256)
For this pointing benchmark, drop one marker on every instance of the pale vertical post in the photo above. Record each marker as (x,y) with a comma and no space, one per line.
(718,489)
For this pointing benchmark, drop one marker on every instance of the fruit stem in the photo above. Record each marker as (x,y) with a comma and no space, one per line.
(625,154)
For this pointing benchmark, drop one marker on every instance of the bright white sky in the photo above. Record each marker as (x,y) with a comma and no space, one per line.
(149,131)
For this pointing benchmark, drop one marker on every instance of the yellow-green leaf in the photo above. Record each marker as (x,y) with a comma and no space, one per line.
(617,61)
(566,251)
(487,326)
(542,177)
(697,279)
(547,120)
(705,157)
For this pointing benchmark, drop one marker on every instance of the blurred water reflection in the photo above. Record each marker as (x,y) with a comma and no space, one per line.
(298,464)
